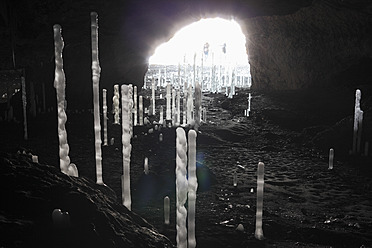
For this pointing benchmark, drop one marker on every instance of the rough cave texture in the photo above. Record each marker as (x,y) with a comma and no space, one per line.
(325,44)
(31,192)
(291,44)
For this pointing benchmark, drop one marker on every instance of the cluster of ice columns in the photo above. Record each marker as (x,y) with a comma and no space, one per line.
(185,188)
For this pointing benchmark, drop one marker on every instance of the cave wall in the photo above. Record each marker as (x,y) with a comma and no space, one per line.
(311,47)
(292,44)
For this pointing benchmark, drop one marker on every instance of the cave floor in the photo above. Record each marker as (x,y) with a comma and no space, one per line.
(305,204)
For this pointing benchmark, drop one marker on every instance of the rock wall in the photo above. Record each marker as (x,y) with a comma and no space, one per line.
(292,44)
(312,47)
(31,191)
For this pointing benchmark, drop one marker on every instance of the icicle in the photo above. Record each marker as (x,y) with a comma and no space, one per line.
(140,110)
(104,95)
(116,102)
(166,210)
(330,161)
(96,70)
(260,187)
(181,188)
(127,147)
(193,185)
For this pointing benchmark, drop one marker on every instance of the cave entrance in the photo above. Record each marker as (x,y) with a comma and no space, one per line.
(210,51)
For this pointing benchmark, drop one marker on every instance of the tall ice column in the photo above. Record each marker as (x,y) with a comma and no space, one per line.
(96,70)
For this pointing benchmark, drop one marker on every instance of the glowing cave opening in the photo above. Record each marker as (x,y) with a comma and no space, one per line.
(206,50)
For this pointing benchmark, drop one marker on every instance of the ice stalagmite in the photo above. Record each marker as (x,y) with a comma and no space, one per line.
(166,210)
(357,110)
(104,100)
(116,102)
(127,147)
(130,109)
(96,70)
(360,126)
(135,122)
(178,110)
(60,84)
(140,106)
(260,187)
(161,118)
(198,97)
(181,188)
(173,107)
(190,107)
(193,186)
(152,110)
(168,116)
(184,109)
(330,159)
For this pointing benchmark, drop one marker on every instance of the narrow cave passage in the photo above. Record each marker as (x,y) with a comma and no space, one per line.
(210,51)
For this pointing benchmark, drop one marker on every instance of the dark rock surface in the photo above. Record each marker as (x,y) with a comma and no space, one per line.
(325,44)
(291,44)
(31,191)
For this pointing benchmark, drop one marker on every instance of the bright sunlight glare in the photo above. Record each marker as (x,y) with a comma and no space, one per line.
(225,39)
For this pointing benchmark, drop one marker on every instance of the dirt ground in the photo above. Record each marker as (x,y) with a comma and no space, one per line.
(305,204)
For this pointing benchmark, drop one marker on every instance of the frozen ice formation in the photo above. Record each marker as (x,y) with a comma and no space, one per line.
(146,166)
(260,187)
(152,106)
(173,107)
(178,110)
(96,71)
(127,147)
(59,85)
(161,118)
(190,107)
(168,96)
(166,210)
(140,106)
(198,98)
(115,103)
(330,161)
(130,109)
(104,107)
(135,104)
(358,120)
(181,188)
(193,186)
(235,179)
